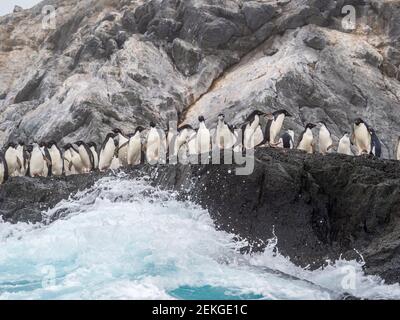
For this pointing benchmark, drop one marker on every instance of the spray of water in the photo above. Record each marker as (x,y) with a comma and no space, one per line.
(123,239)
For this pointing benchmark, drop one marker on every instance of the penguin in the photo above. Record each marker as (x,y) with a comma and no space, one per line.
(306,141)
(76,160)
(345,145)
(274,126)
(185,142)
(398,149)
(14,163)
(376,146)
(57,162)
(123,141)
(86,156)
(238,147)
(93,148)
(224,135)
(155,145)
(135,154)
(325,139)
(22,155)
(107,151)
(203,138)
(287,140)
(253,129)
(69,168)
(361,137)
(47,170)
(38,162)
(3,169)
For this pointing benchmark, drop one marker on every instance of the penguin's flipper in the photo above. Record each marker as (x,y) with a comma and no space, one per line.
(19,163)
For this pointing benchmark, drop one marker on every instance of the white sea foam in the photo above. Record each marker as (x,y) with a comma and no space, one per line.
(124,239)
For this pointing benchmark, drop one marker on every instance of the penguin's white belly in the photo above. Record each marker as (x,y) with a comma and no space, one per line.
(2,173)
(37,164)
(306,144)
(134,151)
(345,147)
(203,139)
(225,138)
(77,162)
(153,149)
(325,141)
(12,162)
(362,140)
(253,139)
(56,162)
(398,152)
(191,144)
(275,128)
(115,164)
(106,155)
(123,151)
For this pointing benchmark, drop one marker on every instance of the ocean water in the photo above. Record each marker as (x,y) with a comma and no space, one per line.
(123,239)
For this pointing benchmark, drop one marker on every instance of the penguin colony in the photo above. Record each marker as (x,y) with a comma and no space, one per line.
(157,146)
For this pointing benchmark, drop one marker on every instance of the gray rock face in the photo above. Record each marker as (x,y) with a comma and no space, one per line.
(126,63)
(319,207)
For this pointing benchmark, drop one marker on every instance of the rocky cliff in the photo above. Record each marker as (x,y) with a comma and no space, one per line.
(319,207)
(115,63)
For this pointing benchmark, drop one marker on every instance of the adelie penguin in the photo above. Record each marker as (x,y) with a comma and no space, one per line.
(48,169)
(325,139)
(345,145)
(69,168)
(3,169)
(376,146)
(57,162)
(40,161)
(224,135)
(361,137)
(107,151)
(253,129)
(135,150)
(122,147)
(185,142)
(86,156)
(287,140)
(14,162)
(274,127)
(93,148)
(203,138)
(306,141)
(23,155)
(155,145)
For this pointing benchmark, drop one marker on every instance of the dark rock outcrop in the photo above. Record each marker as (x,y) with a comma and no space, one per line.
(319,207)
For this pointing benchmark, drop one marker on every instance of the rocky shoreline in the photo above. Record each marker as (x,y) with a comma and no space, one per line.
(319,207)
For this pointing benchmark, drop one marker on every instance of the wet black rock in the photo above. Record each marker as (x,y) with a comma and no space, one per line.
(318,207)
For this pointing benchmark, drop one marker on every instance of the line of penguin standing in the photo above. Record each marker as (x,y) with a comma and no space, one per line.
(155,145)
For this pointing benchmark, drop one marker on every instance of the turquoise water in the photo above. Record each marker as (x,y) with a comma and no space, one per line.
(123,239)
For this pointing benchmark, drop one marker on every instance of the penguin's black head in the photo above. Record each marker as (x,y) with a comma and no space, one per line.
(51,143)
(152,124)
(283,111)
(201,119)
(43,144)
(21,143)
(117,131)
(258,113)
(79,143)
(92,144)
(358,121)
(310,126)
(139,129)
(11,145)
(221,117)
(67,146)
